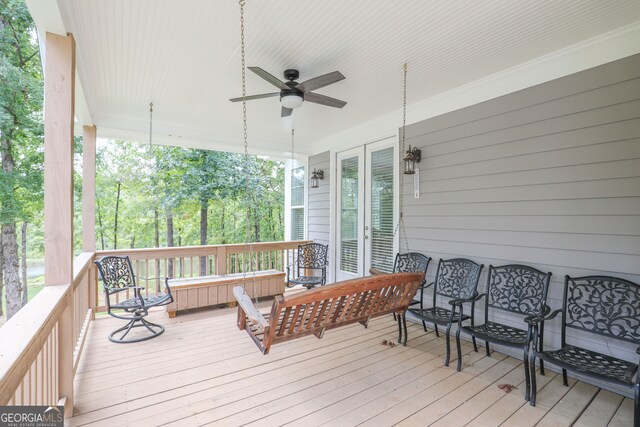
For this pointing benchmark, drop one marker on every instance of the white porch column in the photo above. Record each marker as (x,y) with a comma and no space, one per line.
(89,207)
(59,88)
(89,189)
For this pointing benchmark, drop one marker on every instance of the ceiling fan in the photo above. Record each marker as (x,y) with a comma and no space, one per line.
(292,93)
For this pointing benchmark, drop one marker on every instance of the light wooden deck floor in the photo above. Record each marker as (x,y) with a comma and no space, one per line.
(204,371)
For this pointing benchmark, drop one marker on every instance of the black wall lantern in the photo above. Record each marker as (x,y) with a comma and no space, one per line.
(316,176)
(413,156)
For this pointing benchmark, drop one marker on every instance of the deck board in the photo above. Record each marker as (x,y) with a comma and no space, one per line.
(204,371)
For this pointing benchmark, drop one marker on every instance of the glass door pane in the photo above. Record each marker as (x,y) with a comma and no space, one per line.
(381,208)
(349,198)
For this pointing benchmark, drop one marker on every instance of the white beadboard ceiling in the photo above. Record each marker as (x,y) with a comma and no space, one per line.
(184,56)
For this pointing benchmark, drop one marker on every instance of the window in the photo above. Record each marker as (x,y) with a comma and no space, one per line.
(297,203)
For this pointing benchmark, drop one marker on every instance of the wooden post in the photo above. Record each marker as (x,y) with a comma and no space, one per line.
(89,189)
(59,92)
(89,207)
(221,260)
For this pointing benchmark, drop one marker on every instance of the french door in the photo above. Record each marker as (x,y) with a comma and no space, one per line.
(366,209)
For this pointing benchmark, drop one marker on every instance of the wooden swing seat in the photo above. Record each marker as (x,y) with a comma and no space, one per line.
(314,311)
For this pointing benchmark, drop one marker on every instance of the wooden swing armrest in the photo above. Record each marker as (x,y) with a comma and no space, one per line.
(244,302)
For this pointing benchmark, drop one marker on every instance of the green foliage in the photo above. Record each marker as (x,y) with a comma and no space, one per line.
(179,179)
(21,131)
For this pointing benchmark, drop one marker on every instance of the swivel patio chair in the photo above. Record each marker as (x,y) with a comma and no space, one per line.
(517,290)
(456,279)
(117,276)
(311,258)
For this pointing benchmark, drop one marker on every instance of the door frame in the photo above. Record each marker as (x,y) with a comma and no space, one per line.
(369,149)
(391,140)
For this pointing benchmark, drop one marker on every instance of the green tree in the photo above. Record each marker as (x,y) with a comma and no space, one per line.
(21,93)
(209,175)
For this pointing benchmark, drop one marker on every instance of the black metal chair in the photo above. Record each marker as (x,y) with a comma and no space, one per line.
(311,256)
(117,276)
(412,262)
(456,279)
(602,306)
(515,289)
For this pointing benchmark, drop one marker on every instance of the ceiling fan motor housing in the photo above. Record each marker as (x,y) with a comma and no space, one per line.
(291,74)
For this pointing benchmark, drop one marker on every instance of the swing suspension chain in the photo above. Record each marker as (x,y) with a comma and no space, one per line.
(248,239)
(400,223)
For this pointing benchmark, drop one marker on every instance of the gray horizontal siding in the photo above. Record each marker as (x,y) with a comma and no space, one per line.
(548,176)
(318,204)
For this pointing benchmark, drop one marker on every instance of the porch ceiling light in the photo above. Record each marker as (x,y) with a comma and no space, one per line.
(316,176)
(413,156)
(291,100)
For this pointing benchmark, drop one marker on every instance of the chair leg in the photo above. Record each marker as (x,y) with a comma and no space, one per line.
(541,341)
(565,381)
(459,350)
(447,334)
(394,316)
(435,327)
(527,381)
(486,344)
(406,332)
(135,323)
(533,386)
(424,325)
(399,329)
(636,404)
(475,344)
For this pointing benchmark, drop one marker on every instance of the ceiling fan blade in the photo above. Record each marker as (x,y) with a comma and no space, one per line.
(324,100)
(249,98)
(268,77)
(320,81)
(286,112)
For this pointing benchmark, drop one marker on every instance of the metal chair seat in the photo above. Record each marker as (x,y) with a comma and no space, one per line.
(308,281)
(499,333)
(134,303)
(438,315)
(578,359)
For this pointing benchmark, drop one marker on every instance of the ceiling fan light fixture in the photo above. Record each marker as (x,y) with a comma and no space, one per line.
(292,100)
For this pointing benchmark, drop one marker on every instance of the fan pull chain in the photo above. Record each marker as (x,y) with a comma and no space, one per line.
(150,123)
(248,239)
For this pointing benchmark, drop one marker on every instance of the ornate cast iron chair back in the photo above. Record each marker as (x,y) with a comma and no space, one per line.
(456,278)
(517,289)
(116,273)
(602,305)
(312,256)
(411,262)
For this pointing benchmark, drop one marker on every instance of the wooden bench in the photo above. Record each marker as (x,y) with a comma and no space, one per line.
(314,311)
(205,291)
(608,308)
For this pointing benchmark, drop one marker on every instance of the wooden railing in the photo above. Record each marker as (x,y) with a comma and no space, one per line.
(150,265)
(42,343)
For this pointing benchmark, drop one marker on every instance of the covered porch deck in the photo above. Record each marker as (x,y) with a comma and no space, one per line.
(203,370)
